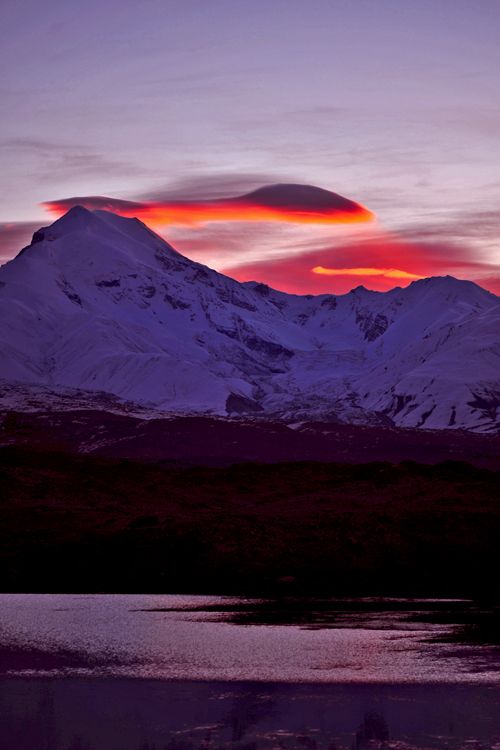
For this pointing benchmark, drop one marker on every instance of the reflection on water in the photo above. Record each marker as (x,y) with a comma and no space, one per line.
(200,673)
(210,638)
(75,714)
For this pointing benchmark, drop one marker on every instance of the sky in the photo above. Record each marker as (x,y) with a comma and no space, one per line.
(177,111)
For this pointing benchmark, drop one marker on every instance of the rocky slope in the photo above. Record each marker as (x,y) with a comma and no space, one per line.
(99,308)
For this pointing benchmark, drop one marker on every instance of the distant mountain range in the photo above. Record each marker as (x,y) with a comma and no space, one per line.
(98,309)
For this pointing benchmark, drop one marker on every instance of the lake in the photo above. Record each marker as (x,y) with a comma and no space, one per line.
(137,672)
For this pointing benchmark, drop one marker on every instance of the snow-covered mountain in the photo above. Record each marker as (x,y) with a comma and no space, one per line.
(100,304)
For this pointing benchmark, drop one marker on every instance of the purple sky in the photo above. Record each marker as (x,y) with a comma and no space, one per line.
(390,103)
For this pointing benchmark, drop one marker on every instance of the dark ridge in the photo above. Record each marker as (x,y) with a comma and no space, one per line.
(221,442)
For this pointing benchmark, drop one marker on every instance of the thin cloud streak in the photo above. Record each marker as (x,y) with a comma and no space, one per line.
(482,225)
(64,161)
(389,273)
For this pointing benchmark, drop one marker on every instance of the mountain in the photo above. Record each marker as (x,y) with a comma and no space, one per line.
(98,308)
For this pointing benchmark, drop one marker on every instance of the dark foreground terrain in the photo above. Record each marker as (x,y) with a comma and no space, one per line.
(78,523)
(189,441)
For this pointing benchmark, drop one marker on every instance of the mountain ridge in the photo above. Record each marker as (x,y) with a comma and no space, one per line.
(100,303)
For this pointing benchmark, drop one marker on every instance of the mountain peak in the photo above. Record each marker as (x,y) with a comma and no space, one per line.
(451,285)
(103,304)
(76,211)
(102,233)
(76,218)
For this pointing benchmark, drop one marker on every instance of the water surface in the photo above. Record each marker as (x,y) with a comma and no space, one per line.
(189,672)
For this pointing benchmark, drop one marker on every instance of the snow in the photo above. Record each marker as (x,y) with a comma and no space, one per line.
(101,304)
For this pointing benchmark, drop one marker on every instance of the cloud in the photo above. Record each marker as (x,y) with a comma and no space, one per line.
(95,203)
(15,236)
(389,273)
(49,160)
(222,243)
(380,262)
(481,224)
(212,187)
(282,202)
(299,238)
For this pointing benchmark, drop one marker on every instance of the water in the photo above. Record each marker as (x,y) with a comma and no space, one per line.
(187,672)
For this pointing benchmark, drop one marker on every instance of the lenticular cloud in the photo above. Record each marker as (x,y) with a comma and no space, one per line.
(296,204)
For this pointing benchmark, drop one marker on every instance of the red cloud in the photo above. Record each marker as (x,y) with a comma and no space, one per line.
(240,225)
(14,236)
(283,202)
(379,263)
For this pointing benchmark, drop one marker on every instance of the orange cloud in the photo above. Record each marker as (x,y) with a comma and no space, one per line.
(298,204)
(390,273)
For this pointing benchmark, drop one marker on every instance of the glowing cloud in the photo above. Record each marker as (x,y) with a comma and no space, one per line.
(390,273)
(297,204)
(378,260)
(280,234)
